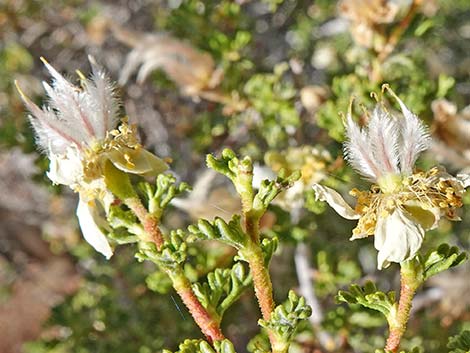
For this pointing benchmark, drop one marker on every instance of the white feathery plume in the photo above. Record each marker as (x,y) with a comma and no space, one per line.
(52,134)
(357,150)
(384,137)
(101,93)
(415,137)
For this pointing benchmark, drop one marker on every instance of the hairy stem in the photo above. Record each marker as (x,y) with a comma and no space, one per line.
(261,278)
(209,326)
(409,285)
(148,221)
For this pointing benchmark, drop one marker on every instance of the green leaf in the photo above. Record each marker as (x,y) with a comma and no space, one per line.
(201,346)
(286,318)
(172,254)
(125,226)
(230,233)
(460,343)
(223,287)
(269,189)
(240,172)
(161,193)
(442,259)
(369,297)
(269,247)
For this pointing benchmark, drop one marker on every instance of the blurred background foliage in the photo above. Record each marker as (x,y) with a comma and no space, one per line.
(275,76)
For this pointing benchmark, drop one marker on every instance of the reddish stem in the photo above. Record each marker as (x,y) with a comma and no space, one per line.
(261,281)
(149,222)
(407,292)
(208,325)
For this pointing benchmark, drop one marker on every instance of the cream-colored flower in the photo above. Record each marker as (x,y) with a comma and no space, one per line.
(78,132)
(312,162)
(401,205)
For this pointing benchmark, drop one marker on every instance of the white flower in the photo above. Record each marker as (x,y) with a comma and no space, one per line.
(400,206)
(77,130)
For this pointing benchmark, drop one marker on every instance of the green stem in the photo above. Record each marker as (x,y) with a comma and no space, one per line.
(410,281)
(209,326)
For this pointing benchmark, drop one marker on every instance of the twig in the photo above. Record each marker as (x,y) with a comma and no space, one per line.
(398,31)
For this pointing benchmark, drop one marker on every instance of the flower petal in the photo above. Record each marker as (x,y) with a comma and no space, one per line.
(65,169)
(335,200)
(464,180)
(397,238)
(427,218)
(88,218)
(139,161)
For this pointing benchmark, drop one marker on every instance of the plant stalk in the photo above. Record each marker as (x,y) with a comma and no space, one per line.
(261,278)
(209,326)
(398,31)
(409,285)
(148,221)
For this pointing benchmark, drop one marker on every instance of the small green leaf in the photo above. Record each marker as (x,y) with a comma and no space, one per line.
(269,247)
(460,343)
(442,259)
(269,189)
(286,318)
(240,172)
(172,254)
(230,233)
(201,346)
(160,195)
(223,287)
(369,297)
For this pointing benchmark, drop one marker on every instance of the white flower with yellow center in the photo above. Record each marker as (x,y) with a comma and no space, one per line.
(400,206)
(78,132)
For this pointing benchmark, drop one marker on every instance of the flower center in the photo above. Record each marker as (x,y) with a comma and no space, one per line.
(390,183)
